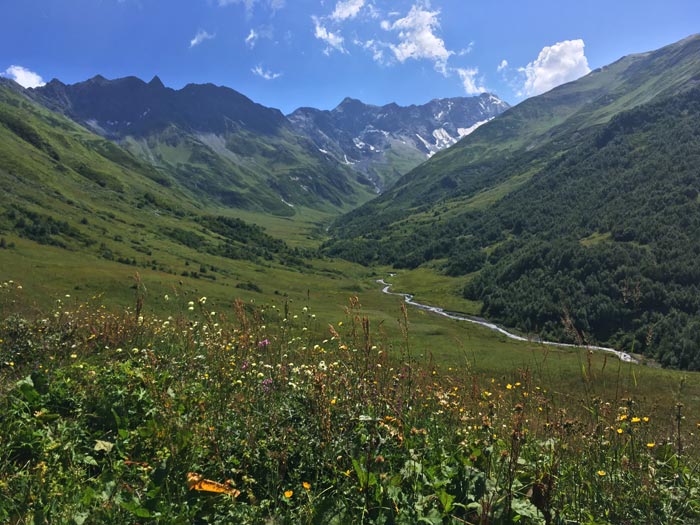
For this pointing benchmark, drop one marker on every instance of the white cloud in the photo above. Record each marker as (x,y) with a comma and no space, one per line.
(251,38)
(377,49)
(556,64)
(466,50)
(200,37)
(469,80)
(372,11)
(417,39)
(266,74)
(345,9)
(502,65)
(334,40)
(24,77)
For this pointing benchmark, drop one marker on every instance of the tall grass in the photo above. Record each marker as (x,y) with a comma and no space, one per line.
(106,416)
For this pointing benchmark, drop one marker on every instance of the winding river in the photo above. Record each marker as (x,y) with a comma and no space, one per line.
(623,356)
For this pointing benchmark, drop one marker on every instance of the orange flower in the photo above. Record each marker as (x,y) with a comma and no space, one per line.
(288,493)
(306,485)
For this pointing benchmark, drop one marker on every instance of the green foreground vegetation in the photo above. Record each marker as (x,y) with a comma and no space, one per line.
(242,413)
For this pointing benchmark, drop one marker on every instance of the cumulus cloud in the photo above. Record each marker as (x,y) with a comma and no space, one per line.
(502,65)
(334,40)
(200,37)
(251,38)
(417,38)
(345,9)
(556,64)
(264,73)
(24,77)
(469,81)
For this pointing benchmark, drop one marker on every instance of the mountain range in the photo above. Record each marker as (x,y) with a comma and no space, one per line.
(384,142)
(212,140)
(574,215)
(222,145)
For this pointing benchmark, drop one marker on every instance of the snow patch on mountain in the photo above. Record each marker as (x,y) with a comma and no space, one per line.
(443,139)
(463,132)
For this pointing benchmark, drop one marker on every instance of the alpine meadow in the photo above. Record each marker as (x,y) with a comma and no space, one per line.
(454,280)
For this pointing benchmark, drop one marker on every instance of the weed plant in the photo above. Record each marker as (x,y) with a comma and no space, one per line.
(105,416)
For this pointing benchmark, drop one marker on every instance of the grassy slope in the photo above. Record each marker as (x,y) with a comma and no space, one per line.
(257,173)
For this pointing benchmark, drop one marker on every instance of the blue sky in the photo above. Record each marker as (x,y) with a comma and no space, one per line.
(291,53)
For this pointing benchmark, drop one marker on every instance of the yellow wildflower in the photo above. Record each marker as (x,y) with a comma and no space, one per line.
(601,473)
(651,445)
(306,485)
(288,493)
(619,431)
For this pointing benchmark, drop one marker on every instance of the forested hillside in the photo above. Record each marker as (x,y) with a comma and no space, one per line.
(589,236)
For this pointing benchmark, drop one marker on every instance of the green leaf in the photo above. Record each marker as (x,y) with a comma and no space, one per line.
(89,460)
(525,509)
(446,500)
(136,509)
(26,386)
(432,518)
(361,473)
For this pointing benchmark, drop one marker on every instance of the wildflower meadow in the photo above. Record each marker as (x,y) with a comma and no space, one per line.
(264,414)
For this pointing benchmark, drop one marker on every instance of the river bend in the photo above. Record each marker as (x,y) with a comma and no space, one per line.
(623,356)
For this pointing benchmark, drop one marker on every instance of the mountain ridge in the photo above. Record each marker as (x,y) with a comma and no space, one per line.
(385,141)
(214,140)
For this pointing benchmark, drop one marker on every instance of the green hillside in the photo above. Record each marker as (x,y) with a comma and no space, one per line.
(79,211)
(225,149)
(577,205)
